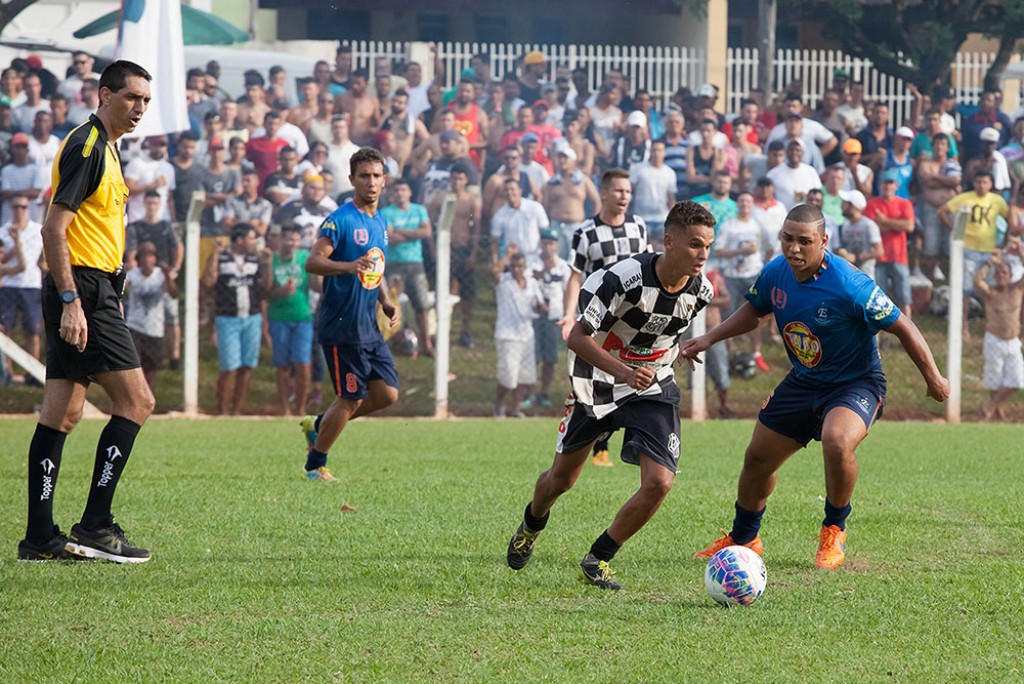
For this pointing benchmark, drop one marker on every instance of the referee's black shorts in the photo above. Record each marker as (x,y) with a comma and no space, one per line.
(109,346)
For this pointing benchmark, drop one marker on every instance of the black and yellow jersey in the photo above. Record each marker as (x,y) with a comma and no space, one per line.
(87,179)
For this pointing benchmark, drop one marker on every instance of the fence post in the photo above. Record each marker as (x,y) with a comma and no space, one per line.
(193,270)
(956,314)
(442,349)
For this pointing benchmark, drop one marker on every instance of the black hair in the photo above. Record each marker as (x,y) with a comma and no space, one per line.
(363,156)
(807,213)
(115,76)
(240,230)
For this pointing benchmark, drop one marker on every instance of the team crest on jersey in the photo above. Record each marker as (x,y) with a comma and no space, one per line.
(361,236)
(821,313)
(655,324)
(879,305)
(779,298)
(806,347)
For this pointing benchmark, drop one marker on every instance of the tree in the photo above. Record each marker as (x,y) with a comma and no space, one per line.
(11,9)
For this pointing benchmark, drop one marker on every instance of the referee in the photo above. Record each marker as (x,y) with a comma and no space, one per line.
(86,336)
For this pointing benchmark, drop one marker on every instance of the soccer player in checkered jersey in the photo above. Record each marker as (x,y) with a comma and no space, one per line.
(599,242)
(828,313)
(621,350)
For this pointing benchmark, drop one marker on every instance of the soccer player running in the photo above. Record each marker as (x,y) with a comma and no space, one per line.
(87,339)
(621,350)
(828,313)
(350,253)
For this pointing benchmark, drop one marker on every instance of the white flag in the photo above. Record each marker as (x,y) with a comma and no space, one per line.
(149,34)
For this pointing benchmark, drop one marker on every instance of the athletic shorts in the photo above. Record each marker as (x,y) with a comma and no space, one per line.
(150,350)
(415,283)
(547,337)
(25,302)
(894,279)
(651,428)
(798,411)
(109,345)
(465,277)
(516,363)
(292,341)
(238,341)
(935,235)
(352,367)
(1004,364)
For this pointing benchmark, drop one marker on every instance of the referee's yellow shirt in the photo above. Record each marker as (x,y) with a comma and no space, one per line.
(87,179)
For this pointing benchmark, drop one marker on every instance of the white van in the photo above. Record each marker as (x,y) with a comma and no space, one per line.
(234,62)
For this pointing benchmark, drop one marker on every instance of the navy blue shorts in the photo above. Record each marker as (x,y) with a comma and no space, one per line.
(353,366)
(798,411)
(651,428)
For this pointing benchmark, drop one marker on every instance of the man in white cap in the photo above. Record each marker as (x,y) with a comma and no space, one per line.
(794,178)
(898,163)
(859,239)
(633,146)
(992,160)
(566,195)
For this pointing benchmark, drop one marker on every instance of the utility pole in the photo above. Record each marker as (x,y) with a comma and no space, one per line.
(766,14)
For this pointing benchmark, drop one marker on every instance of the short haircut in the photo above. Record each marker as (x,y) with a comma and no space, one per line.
(343,49)
(983,172)
(776,146)
(401,92)
(398,182)
(152,193)
(765,182)
(686,213)
(721,173)
(361,73)
(276,69)
(291,228)
(748,101)
(287,149)
(366,155)
(188,135)
(612,174)
(706,122)
(807,213)
(115,76)
(793,97)
(939,136)
(240,230)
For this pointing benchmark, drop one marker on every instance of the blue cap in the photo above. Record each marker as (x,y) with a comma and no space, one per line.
(890,175)
(549,234)
(530,137)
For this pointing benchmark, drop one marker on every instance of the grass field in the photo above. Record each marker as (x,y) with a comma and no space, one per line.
(258,575)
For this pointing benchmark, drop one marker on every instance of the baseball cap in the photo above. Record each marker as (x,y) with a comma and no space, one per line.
(636,118)
(841,73)
(854,197)
(989,134)
(549,234)
(534,57)
(216,144)
(540,103)
(468,74)
(450,136)
(795,141)
(905,132)
(707,90)
(567,151)
(889,176)
(34,61)
(19,139)
(530,137)
(852,146)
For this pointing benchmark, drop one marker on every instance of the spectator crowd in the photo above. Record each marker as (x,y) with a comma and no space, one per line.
(527,159)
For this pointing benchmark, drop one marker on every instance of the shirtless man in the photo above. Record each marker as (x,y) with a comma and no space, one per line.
(565,198)
(254,107)
(585,150)
(494,190)
(939,180)
(465,244)
(1004,364)
(302,113)
(362,108)
(409,131)
(430,148)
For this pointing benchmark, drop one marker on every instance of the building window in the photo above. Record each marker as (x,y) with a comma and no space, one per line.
(432,27)
(324,24)
(546,30)
(491,29)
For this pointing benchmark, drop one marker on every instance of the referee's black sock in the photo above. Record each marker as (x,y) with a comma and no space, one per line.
(533,523)
(746,524)
(44,454)
(112,452)
(605,547)
(836,516)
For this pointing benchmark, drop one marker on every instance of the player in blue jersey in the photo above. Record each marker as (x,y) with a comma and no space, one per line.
(350,253)
(828,313)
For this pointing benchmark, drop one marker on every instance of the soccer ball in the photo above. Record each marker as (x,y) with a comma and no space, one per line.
(743,366)
(735,576)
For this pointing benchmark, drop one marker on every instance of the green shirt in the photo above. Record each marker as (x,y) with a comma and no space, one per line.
(293,307)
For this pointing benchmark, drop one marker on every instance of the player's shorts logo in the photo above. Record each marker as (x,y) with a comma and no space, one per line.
(778,298)
(371,279)
(673,446)
(805,346)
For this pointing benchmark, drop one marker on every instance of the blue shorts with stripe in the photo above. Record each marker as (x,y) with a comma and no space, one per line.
(798,410)
(352,366)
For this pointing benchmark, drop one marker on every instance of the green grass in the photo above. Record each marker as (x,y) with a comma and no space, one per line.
(258,575)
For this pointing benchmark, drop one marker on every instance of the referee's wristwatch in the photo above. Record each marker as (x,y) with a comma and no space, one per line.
(68,296)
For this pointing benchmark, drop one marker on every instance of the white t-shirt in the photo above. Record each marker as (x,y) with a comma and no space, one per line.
(651,187)
(523,227)
(772,219)
(31,250)
(789,181)
(44,153)
(858,237)
(812,132)
(338,156)
(28,177)
(144,302)
(735,234)
(516,308)
(291,134)
(552,286)
(145,170)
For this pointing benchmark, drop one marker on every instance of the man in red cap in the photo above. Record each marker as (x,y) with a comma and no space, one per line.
(21,178)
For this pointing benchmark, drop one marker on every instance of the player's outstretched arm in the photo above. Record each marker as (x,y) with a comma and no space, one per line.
(742,321)
(917,349)
(581,342)
(319,261)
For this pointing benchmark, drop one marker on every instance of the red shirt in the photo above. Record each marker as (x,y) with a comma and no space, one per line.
(468,124)
(894,243)
(263,153)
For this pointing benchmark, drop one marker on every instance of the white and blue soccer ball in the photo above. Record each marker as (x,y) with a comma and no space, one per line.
(735,576)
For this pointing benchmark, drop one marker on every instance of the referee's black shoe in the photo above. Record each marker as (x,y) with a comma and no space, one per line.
(599,573)
(51,550)
(520,548)
(108,543)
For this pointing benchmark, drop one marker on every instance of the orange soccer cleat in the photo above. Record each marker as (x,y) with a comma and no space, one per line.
(831,547)
(725,540)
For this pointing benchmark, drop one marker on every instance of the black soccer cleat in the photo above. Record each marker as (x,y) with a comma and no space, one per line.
(50,550)
(520,548)
(599,573)
(108,543)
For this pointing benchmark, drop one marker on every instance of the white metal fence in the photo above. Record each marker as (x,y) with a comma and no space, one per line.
(663,70)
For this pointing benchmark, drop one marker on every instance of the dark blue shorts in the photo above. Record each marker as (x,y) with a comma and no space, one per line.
(26,302)
(797,410)
(353,366)
(651,428)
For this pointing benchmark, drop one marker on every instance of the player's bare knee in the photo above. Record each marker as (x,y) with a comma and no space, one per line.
(657,488)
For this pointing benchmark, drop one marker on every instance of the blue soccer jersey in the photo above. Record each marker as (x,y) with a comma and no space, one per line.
(348,310)
(829,322)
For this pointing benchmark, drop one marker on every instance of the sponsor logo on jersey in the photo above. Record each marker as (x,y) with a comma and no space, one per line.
(633,356)
(371,279)
(879,305)
(632,280)
(779,297)
(806,347)
(361,236)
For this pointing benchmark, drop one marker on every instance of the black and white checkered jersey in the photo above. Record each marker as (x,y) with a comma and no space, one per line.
(596,245)
(632,317)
